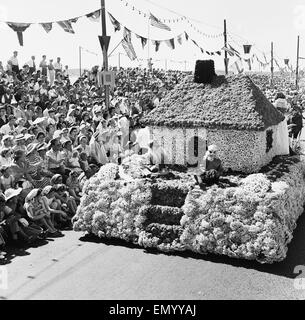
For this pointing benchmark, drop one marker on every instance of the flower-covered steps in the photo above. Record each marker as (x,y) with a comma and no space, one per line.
(161,221)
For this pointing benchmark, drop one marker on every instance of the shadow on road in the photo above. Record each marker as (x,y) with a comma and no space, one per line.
(295,255)
(13,251)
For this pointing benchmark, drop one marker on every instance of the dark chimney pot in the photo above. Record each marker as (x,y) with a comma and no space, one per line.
(204,71)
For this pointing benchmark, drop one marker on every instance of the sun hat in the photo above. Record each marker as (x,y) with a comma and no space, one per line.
(27,136)
(55,178)
(39,120)
(7,136)
(11,193)
(19,137)
(57,134)
(33,193)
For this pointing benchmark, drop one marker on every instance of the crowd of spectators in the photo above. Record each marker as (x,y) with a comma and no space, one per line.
(54,135)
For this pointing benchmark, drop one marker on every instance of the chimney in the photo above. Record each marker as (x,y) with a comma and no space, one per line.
(204,71)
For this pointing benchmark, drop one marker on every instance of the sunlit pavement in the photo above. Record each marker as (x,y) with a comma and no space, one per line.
(71,268)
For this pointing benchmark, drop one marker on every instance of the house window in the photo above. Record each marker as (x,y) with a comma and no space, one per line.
(269,140)
(196,146)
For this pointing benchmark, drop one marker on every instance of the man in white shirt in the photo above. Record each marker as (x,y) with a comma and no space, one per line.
(9,128)
(32,65)
(58,66)
(13,62)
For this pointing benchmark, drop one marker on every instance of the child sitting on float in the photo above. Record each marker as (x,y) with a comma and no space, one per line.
(211,167)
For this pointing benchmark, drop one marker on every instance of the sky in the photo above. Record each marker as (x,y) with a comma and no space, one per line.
(248,22)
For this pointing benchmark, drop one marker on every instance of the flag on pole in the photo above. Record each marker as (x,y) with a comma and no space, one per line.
(235,51)
(229,51)
(127,45)
(154,21)
(67,25)
(19,28)
(47,26)
(115,23)
(94,16)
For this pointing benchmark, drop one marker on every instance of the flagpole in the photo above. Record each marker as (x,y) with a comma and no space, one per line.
(148,47)
(80,61)
(225,41)
(272,68)
(105,48)
(297,68)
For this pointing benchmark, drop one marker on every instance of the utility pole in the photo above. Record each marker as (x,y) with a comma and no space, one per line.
(165,64)
(185,65)
(119,60)
(80,60)
(297,68)
(272,68)
(104,41)
(225,40)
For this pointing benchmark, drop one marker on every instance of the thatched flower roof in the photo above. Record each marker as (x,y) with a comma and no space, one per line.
(233,102)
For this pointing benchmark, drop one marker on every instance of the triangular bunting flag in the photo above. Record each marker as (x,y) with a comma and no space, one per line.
(19,28)
(94,16)
(66,25)
(179,39)
(154,21)
(170,43)
(127,34)
(143,41)
(47,26)
(218,52)
(129,49)
(156,44)
(115,23)
(186,36)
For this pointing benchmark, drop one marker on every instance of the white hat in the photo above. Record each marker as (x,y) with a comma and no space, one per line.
(31,195)
(11,193)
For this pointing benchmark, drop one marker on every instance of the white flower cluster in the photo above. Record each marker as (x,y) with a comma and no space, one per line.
(110,208)
(254,220)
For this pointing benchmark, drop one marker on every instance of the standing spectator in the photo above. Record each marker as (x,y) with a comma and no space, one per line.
(58,66)
(44,66)
(51,72)
(13,63)
(32,65)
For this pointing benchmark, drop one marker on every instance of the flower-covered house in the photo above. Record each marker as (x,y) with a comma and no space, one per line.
(230,112)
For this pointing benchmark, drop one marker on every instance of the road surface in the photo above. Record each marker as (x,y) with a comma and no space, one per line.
(74,267)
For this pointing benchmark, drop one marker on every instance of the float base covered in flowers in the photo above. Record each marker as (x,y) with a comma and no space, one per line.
(244,216)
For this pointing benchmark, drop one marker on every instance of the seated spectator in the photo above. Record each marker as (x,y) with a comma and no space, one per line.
(37,212)
(6,179)
(73,185)
(59,217)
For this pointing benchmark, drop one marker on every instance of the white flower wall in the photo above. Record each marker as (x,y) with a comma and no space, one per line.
(253,221)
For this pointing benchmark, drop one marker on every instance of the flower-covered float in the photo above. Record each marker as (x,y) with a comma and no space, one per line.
(249,215)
